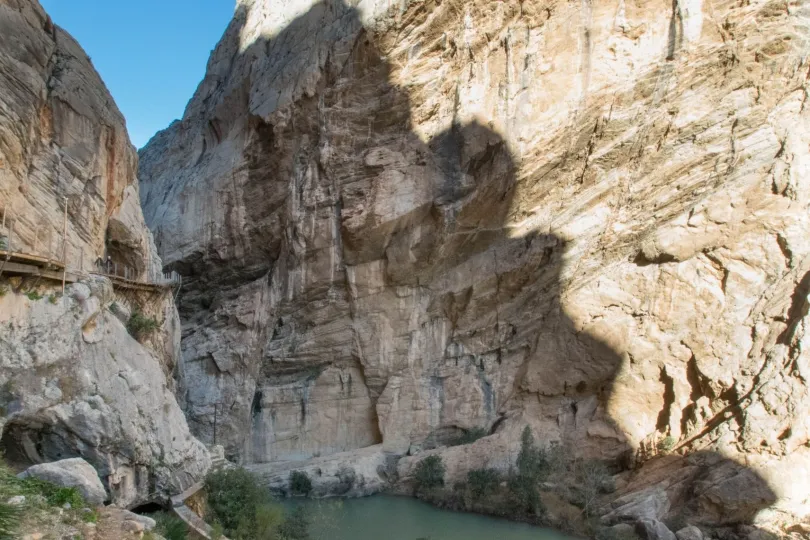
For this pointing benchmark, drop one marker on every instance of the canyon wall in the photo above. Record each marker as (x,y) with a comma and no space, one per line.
(401,221)
(73,382)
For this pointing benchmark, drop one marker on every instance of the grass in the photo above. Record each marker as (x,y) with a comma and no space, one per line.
(44,503)
(9,521)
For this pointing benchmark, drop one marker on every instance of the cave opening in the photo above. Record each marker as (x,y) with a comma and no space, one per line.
(25,444)
(149,508)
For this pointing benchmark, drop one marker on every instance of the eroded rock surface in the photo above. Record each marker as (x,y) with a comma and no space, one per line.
(73,382)
(66,394)
(399,222)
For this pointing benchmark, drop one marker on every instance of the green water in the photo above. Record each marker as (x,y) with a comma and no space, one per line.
(385,517)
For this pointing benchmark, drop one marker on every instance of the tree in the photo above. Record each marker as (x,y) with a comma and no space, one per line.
(429,473)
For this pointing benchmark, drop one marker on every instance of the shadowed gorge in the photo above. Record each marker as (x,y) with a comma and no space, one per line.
(400,224)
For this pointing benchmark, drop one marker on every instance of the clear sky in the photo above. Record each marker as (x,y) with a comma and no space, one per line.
(150,53)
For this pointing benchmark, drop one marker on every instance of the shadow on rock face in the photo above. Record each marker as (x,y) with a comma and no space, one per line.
(383,255)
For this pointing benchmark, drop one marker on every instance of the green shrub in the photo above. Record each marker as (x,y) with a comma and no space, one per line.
(90,517)
(170,526)
(63,495)
(483,482)
(140,326)
(300,484)
(9,521)
(34,295)
(429,473)
(233,496)
(532,468)
(667,444)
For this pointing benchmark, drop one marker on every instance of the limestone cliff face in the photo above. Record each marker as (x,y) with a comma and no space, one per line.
(72,380)
(398,221)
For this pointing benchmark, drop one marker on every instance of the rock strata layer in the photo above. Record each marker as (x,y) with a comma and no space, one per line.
(398,222)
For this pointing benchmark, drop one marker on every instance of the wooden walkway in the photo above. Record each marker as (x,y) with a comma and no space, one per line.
(34,265)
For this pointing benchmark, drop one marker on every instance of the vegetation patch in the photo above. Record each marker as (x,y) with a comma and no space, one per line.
(538,473)
(10,517)
(141,326)
(300,484)
(483,482)
(169,526)
(429,473)
(37,504)
(243,510)
(34,295)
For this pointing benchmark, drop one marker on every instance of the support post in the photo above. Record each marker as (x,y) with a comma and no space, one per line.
(215,423)
(64,233)
(64,272)
(64,245)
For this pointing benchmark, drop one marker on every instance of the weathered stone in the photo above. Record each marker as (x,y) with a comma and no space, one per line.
(147,522)
(400,222)
(132,526)
(75,473)
(650,529)
(350,474)
(689,532)
(18,500)
(113,408)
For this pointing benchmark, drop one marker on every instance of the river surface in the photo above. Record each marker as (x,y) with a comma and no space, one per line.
(386,517)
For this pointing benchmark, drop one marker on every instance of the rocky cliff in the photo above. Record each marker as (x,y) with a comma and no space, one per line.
(401,221)
(73,382)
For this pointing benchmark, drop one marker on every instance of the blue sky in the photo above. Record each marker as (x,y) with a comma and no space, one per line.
(150,53)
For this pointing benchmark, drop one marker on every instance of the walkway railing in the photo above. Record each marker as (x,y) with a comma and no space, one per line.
(53,255)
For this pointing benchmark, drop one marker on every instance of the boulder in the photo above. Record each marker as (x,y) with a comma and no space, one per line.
(147,522)
(690,532)
(74,472)
(19,500)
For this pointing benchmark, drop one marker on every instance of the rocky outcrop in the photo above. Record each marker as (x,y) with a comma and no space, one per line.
(345,474)
(73,382)
(76,383)
(400,222)
(75,473)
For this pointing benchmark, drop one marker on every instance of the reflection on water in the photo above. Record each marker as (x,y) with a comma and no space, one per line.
(403,518)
